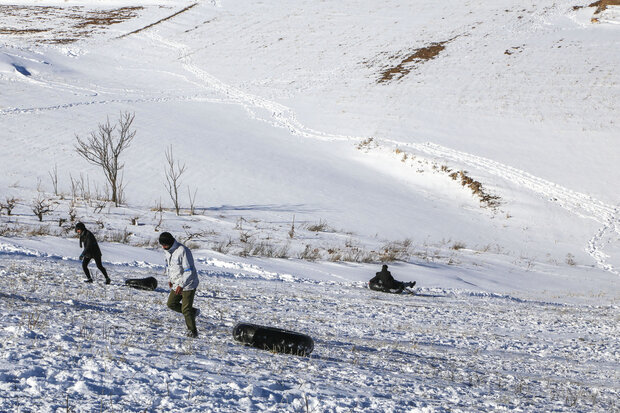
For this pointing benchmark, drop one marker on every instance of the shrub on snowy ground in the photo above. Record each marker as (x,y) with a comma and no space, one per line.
(321,226)
(291,232)
(39,231)
(33,320)
(118,236)
(223,247)
(8,205)
(396,251)
(310,253)
(41,206)
(351,253)
(266,249)
(491,201)
(570,259)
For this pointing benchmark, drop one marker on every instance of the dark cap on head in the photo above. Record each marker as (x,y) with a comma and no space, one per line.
(166,238)
(80,226)
(384,267)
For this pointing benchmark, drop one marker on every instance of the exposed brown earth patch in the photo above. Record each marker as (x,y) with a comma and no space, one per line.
(59,25)
(490,201)
(513,50)
(411,61)
(603,4)
(600,5)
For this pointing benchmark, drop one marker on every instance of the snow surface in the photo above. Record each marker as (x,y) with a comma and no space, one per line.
(307,168)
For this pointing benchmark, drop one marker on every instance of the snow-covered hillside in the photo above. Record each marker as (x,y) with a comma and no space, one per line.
(67,345)
(473,147)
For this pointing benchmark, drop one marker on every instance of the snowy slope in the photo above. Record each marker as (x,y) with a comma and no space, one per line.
(318,137)
(195,85)
(67,345)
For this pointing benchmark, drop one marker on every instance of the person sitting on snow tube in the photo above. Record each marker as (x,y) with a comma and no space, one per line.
(383,281)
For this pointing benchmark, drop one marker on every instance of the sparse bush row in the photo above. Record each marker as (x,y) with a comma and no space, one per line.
(486,199)
(490,201)
(253,237)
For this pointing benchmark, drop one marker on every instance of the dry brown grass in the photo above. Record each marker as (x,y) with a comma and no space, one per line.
(603,4)
(490,201)
(410,62)
(600,5)
(59,25)
(102,18)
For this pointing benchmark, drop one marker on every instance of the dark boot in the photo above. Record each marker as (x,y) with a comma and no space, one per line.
(192,333)
(410,285)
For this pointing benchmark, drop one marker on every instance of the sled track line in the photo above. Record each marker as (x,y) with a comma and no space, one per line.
(21,111)
(158,21)
(575,202)
(67,106)
(584,206)
(274,114)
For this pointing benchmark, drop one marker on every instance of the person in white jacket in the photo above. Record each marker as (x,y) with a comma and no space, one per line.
(183,280)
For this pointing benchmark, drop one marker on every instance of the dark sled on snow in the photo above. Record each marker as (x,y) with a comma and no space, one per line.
(273,339)
(379,287)
(149,283)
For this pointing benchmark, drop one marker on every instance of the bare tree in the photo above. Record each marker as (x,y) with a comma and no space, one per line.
(74,188)
(54,176)
(72,213)
(173,178)
(104,149)
(9,205)
(41,206)
(291,233)
(192,201)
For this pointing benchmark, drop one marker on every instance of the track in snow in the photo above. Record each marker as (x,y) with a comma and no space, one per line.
(280,116)
(579,204)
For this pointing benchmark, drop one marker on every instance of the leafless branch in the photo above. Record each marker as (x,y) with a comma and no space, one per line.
(54,176)
(41,206)
(9,205)
(173,178)
(103,148)
(192,201)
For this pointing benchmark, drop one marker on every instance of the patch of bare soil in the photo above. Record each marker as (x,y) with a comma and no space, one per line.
(602,5)
(59,25)
(490,201)
(411,61)
(513,50)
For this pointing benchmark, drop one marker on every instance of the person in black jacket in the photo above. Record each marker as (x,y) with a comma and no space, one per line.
(383,281)
(91,251)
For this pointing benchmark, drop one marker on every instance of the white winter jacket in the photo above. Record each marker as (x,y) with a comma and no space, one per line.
(180,267)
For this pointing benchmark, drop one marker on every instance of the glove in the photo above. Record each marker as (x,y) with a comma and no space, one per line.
(179,290)
(81,257)
(169,284)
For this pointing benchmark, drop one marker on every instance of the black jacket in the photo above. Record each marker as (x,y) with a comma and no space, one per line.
(91,248)
(385,279)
